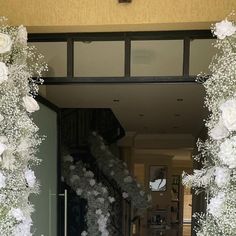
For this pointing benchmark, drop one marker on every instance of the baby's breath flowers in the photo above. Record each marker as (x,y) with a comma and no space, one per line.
(19,137)
(218,152)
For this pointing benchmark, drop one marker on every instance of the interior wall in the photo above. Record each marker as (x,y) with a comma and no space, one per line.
(45,221)
(107,15)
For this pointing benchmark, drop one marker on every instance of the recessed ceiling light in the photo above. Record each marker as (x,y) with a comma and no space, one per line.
(116,100)
(180,99)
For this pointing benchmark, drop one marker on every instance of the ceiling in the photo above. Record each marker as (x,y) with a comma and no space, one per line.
(144,110)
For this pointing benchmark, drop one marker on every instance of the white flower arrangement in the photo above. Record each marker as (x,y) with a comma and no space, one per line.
(224,29)
(218,153)
(18,64)
(117,170)
(83,183)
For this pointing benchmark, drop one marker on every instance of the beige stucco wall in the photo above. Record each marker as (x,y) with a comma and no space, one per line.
(108,15)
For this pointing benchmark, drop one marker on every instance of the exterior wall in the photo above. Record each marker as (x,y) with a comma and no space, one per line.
(108,15)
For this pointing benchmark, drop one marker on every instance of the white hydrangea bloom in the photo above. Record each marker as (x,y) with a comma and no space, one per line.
(215,207)
(92,182)
(125,195)
(84,233)
(222,176)
(224,28)
(23,229)
(128,179)
(111,199)
(17,214)
(89,174)
(74,178)
(219,131)
(79,191)
(68,158)
(98,211)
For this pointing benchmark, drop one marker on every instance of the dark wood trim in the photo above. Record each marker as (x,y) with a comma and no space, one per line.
(186,56)
(119,80)
(70,57)
(116,36)
(127,56)
(47,103)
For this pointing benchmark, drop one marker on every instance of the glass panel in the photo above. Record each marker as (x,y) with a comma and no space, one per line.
(55,54)
(45,215)
(99,59)
(201,53)
(157,58)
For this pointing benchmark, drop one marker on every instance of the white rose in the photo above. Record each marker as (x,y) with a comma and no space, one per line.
(22,36)
(17,214)
(30,178)
(2,180)
(5,43)
(74,178)
(3,72)
(30,104)
(228,109)
(219,131)
(224,28)
(125,195)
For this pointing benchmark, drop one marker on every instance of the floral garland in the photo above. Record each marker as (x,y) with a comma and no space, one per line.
(19,137)
(83,183)
(115,169)
(218,175)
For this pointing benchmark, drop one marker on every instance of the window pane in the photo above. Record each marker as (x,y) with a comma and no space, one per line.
(157,58)
(55,54)
(201,53)
(99,59)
